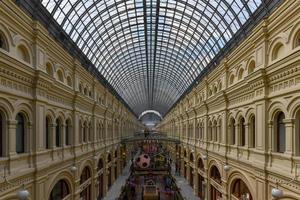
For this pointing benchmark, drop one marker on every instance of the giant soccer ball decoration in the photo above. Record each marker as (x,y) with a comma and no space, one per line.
(143,161)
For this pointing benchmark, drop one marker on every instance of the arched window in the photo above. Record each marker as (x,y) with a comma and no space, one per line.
(108,158)
(242,131)
(20,133)
(2,138)
(100,165)
(60,76)
(68,132)
(116,153)
(278,51)
(280,133)
(90,132)
(241,74)
(210,129)
(69,81)
(85,128)
(49,69)
(23,53)
(58,133)
(85,91)
(232,131)
(297,132)
(215,131)
(85,176)
(191,158)
(219,134)
(3,42)
(220,86)
(240,190)
(47,132)
(231,79)
(297,39)
(252,132)
(215,174)
(200,164)
(251,67)
(59,191)
(80,87)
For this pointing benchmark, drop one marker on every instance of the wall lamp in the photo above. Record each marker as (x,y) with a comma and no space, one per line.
(22,194)
(278,193)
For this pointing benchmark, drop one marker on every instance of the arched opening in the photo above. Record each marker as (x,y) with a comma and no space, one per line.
(49,69)
(2,136)
(100,179)
(219,128)
(47,132)
(215,175)
(279,133)
(210,130)
(85,91)
(23,53)
(242,131)
(232,131)
(297,40)
(201,182)
(231,79)
(60,76)
(58,133)
(241,73)
(297,132)
(90,128)
(251,67)
(240,190)
(3,42)
(69,81)
(85,129)
(109,178)
(68,132)
(252,133)
(20,133)
(80,87)
(60,191)
(278,51)
(86,193)
(215,131)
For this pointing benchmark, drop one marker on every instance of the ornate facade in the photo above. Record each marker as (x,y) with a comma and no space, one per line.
(60,128)
(240,126)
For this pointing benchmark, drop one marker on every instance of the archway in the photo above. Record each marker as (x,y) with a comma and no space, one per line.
(85,181)
(100,179)
(240,190)
(215,179)
(60,191)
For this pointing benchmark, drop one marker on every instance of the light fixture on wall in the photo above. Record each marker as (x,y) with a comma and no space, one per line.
(278,193)
(226,167)
(73,168)
(205,157)
(23,193)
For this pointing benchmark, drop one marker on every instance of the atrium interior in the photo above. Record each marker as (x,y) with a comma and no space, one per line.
(149,99)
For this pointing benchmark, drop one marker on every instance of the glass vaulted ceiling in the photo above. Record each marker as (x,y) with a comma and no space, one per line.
(151,51)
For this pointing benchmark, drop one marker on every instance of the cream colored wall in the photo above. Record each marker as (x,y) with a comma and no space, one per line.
(26,87)
(272,87)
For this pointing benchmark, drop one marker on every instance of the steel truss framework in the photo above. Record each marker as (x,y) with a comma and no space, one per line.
(152,52)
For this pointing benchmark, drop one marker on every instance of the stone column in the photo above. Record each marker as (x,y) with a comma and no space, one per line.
(289,136)
(63,135)
(247,135)
(237,134)
(271,139)
(11,130)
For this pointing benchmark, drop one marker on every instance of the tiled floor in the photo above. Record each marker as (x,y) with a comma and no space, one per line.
(115,190)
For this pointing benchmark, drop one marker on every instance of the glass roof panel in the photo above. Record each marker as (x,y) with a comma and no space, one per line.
(151,51)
